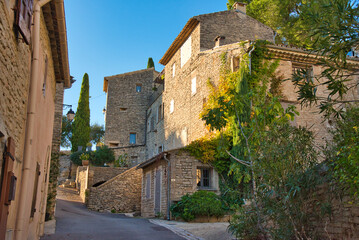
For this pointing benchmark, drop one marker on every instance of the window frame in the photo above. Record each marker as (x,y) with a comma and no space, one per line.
(133,133)
(140,87)
(201,181)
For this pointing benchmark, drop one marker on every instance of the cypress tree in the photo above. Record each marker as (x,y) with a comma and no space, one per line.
(150,63)
(81,125)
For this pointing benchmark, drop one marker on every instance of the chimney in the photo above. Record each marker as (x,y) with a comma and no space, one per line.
(219,41)
(240,6)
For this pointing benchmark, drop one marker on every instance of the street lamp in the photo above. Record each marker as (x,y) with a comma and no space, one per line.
(70,114)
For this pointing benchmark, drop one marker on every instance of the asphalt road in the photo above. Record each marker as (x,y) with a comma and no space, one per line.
(75,222)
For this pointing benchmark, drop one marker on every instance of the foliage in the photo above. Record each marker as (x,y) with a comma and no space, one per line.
(200,203)
(211,150)
(327,28)
(344,153)
(271,157)
(81,125)
(75,158)
(96,134)
(333,28)
(103,155)
(84,156)
(66,132)
(150,63)
(51,195)
(122,161)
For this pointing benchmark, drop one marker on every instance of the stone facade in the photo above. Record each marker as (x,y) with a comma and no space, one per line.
(183,180)
(23,222)
(103,174)
(343,220)
(82,176)
(121,193)
(127,101)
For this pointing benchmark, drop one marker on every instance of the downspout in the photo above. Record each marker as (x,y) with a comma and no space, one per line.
(23,213)
(168,187)
(250,59)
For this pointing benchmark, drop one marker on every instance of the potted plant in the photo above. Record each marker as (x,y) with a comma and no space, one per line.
(85,159)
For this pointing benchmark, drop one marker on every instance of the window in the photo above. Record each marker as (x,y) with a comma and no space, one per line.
(235,64)
(148,185)
(122,109)
(160,149)
(303,71)
(160,113)
(138,88)
(132,138)
(203,177)
(152,124)
(186,51)
(113,144)
(172,106)
(173,70)
(193,86)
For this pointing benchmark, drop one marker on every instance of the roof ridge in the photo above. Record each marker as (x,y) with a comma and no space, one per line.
(131,73)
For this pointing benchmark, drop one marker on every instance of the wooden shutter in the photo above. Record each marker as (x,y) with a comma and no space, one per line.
(23,18)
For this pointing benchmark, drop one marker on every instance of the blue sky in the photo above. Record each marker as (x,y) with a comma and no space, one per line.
(114,36)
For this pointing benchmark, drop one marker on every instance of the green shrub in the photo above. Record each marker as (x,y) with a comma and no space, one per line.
(345,150)
(201,203)
(102,155)
(75,158)
(122,161)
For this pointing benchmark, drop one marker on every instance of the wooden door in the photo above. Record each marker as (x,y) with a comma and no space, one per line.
(158,191)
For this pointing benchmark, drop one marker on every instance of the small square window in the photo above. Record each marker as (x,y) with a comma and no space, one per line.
(203,177)
(138,88)
(132,138)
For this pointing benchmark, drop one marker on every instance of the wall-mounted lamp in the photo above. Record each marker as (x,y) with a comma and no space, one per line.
(104,110)
(70,114)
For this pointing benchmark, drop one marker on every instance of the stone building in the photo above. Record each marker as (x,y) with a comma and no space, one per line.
(34,68)
(181,90)
(170,175)
(127,100)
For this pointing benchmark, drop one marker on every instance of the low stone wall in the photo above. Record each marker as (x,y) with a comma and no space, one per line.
(81,181)
(342,222)
(121,193)
(64,168)
(103,174)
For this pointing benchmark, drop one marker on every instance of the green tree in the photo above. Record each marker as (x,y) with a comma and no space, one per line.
(333,28)
(81,125)
(66,132)
(327,28)
(269,154)
(97,133)
(150,63)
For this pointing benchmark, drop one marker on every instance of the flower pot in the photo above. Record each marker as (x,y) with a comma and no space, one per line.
(85,162)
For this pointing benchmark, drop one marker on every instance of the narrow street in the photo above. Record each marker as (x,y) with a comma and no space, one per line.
(75,222)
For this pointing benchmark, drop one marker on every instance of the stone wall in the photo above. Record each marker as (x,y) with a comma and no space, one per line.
(64,167)
(343,220)
(121,193)
(103,174)
(82,181)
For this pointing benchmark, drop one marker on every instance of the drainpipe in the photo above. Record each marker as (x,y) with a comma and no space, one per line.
(250,59)
(26,188)
(168,187)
